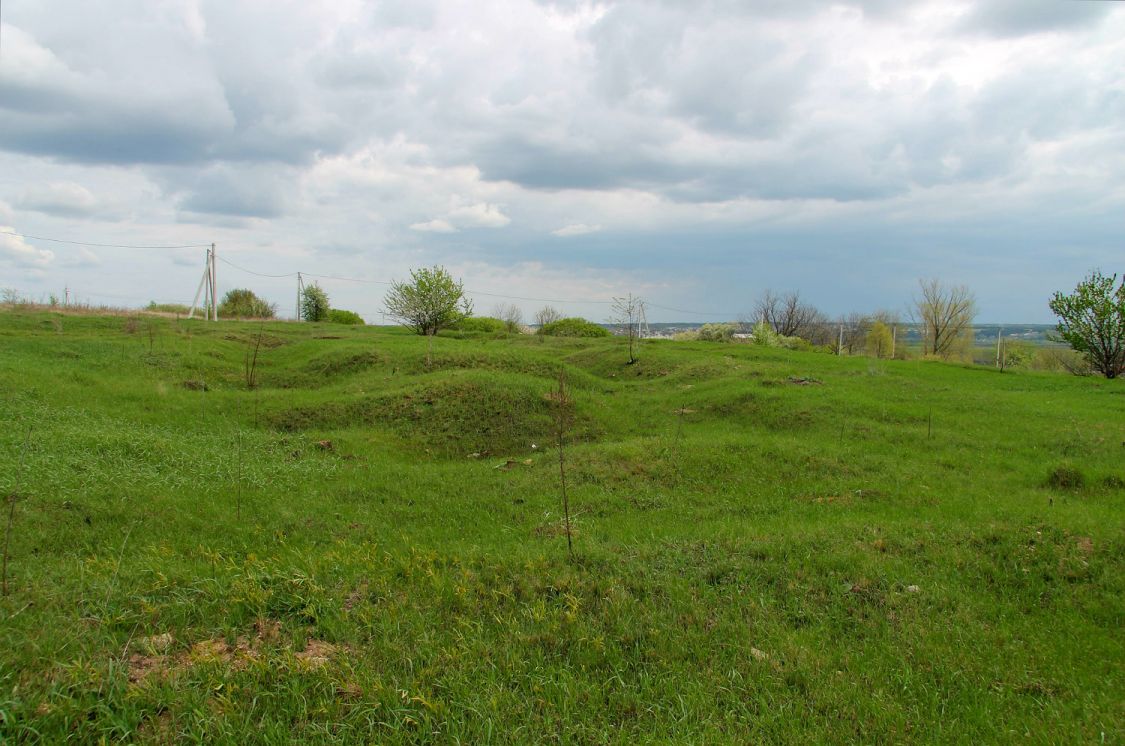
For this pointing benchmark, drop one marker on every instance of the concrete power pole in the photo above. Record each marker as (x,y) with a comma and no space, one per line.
(214,287)
(300,292)
(207,289)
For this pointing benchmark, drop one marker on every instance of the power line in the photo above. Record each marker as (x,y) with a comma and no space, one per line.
(572,301)
(252,272)
(104,245)
(537,300)
(693,313)
(347,279)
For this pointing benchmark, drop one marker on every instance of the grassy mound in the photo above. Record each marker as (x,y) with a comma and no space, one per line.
(769,545)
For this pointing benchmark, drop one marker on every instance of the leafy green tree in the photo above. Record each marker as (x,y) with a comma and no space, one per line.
(430,302)
(314,303)
(878,340)
(244,304)
(1092,320)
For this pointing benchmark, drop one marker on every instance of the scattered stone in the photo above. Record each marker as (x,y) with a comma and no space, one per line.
(912,589)
(759,654)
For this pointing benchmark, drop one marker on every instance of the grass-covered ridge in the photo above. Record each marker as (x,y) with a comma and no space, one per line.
(771,545)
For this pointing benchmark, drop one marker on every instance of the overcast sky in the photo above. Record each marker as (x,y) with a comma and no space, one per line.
(691,153)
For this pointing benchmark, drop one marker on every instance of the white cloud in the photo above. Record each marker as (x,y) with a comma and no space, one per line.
(64,198)
(715,141)
(482,215)
(15,250)
(576,229)
(83,257)
(436,225)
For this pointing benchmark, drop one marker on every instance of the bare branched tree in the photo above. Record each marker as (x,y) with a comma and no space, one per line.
(547,315)
(628,313)
(788,316)
(855,326)
(945,315)
(511,315)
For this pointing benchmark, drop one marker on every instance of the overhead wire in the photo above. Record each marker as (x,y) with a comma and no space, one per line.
(105,245)
(572,301)
(224,260)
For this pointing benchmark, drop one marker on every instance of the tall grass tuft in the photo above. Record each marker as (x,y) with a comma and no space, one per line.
(563,403)
(12,511)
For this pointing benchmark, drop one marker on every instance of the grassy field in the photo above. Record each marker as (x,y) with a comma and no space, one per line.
(771,546)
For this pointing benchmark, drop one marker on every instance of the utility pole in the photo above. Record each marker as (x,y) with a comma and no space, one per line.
(300,292)
(894,336)
(998,333)
(207,289)
(214,287)
(840,344)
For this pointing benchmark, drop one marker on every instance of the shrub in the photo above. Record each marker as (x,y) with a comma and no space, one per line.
(764,335)
(486,324)
(168,307)
(573,327)
(795,343)
(314,303)
(1060,360)
(340,316)
(1092,320)
(430,302)
(244,304)
(717,332)
(1015,354)
(1066,477)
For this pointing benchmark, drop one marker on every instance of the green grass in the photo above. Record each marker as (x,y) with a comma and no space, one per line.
(894,552)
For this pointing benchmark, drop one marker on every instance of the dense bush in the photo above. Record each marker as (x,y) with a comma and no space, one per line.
(717,332)
(244,304)
(165,307)
(480,324)
(314,303)
(764,335)
(573,327)
(1060,360)
(340,316)
(1066,477)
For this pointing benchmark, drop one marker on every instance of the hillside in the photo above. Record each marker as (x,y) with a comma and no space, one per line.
(770,545)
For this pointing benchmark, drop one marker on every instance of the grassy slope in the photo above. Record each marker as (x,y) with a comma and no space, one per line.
(743,570)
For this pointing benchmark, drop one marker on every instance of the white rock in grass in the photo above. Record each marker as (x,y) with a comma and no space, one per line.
(912,589)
